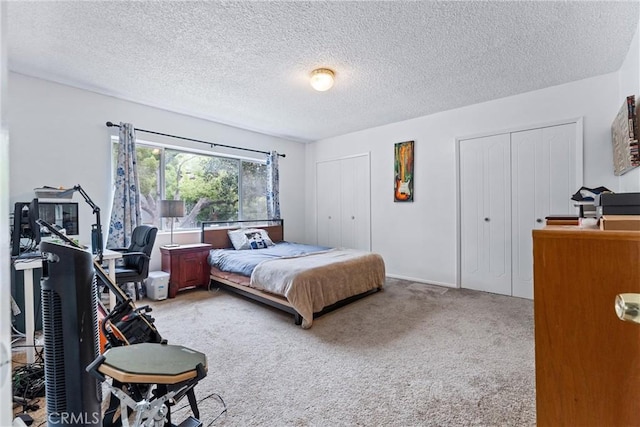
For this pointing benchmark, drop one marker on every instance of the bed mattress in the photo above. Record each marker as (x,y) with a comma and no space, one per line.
(245,261)
(309,277)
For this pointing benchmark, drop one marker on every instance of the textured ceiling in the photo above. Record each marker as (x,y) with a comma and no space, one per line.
(247,63)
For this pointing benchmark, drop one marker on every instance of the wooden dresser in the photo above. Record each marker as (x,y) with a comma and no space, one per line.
(187,266)
(587,360)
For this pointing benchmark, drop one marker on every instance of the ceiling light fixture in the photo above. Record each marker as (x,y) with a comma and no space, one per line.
(322,79)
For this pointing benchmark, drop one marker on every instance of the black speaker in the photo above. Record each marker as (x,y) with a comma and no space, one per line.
(71,342)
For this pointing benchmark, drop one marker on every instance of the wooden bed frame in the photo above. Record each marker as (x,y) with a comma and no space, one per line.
(215,234)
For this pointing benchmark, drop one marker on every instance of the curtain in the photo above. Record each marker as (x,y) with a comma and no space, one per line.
(125,210)
(273,186)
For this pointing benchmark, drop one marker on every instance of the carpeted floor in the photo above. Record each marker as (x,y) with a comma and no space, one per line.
(412,355)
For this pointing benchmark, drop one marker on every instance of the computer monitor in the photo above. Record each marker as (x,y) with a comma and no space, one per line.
(62,215)
(20,220)
(34,215)
(25,236)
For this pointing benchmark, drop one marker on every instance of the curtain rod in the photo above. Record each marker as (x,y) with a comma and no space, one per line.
(211,144)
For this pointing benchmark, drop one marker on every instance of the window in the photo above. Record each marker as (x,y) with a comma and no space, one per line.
(212,187)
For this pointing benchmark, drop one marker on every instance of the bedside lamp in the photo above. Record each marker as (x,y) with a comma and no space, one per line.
(171,209)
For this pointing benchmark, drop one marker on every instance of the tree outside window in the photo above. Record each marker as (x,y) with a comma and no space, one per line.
(212,187)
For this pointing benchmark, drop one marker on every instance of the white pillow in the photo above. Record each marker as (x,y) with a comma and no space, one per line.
(249,238)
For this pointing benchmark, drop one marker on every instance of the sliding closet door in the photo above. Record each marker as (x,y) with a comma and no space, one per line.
(543,179)
(343,198)
(328,200)
(485,208)
(355,202)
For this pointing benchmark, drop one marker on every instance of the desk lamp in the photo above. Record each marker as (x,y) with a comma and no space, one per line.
(171,209)
(96,229)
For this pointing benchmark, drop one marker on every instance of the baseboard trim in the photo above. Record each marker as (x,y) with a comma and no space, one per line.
(426,282)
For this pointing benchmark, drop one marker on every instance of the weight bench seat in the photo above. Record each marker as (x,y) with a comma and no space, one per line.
(151,363)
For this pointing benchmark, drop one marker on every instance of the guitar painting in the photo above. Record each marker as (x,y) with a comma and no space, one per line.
(403,183)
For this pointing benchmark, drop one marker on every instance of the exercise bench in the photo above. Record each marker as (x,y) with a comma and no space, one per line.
(148,379)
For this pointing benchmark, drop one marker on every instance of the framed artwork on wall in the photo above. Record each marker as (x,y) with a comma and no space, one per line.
(403,172)
(624,136)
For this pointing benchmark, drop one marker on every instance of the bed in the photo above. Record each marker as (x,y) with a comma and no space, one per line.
(307,282)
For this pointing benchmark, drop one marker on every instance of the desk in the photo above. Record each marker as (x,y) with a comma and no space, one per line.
(111,257)
(27,266)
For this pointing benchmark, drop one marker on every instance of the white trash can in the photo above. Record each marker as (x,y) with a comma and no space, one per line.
(157,285)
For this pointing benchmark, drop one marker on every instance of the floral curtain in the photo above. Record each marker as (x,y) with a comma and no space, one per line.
(273,186)
(125,211)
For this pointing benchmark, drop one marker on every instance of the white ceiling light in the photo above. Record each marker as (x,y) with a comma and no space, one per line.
(322,79)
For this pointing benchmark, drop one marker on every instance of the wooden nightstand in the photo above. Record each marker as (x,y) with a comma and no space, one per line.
(187,266)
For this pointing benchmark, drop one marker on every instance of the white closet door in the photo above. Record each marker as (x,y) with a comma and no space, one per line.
(355,203)
(485,197)
(543,179)
(328,200)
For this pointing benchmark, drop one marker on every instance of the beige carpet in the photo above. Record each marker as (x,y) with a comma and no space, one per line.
(412,355)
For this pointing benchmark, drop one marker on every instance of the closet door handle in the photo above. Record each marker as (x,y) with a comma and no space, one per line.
(353,217)
(627,307)
(487,220)
(539,220)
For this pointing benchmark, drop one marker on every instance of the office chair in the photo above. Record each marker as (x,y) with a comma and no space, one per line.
(135,259)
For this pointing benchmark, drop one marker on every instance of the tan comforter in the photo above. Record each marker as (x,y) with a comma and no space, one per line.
(312,282)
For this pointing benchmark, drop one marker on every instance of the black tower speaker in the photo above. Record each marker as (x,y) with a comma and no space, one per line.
(71,343)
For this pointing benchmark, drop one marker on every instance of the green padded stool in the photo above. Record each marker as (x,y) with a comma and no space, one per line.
(173,369)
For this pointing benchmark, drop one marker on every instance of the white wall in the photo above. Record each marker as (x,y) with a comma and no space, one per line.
(418,240)
(5,284)
(59,138)
(629,81)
